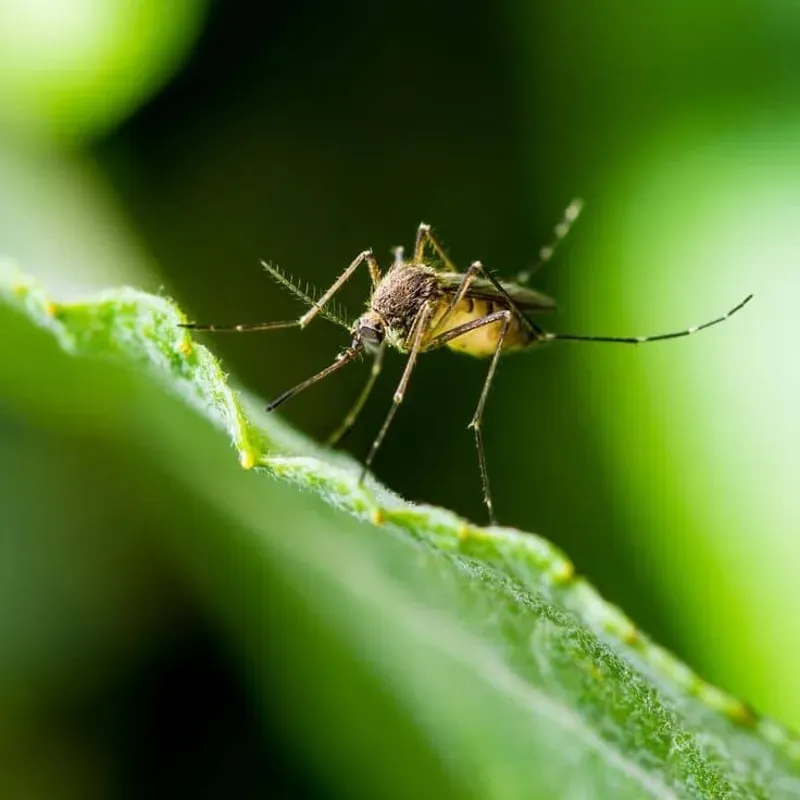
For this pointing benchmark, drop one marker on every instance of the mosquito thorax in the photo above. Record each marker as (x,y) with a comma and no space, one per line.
(399,298)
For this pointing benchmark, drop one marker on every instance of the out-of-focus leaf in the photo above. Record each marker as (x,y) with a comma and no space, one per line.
(73,68)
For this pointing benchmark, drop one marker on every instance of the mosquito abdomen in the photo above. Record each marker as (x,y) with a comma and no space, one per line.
(481,342)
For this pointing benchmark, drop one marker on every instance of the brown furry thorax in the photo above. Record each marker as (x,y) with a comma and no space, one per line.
(395,304)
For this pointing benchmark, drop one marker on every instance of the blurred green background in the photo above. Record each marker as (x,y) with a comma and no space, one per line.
(172,146)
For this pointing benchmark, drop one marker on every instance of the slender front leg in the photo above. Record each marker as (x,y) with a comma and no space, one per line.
(374,273)
(426,236)
(352,415)
(420,327)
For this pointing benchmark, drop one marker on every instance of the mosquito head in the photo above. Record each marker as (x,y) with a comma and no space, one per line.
(368,332)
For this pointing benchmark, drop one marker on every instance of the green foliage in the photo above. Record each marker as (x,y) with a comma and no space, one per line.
(70,70)
(406,652)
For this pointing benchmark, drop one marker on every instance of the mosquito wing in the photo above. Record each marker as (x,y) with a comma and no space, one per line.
(525,298)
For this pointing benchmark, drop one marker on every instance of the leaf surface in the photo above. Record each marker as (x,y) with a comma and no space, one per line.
(412,653)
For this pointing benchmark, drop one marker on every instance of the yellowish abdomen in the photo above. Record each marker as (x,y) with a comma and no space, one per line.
(480,342)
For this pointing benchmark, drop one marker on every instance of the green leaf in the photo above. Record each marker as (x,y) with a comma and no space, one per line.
(75,70)
(408,652)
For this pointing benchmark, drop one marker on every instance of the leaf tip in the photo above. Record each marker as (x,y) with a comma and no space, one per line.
(247,459)
(630,635)
(620,626)
(741,712)
(563,572)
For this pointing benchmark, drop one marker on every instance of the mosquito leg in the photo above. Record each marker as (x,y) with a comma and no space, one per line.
(345,357)
(399,256)
(469,276)
(443,338)
(374,273)
(571,213)
(352,415)
(426,236)
(477,417)
(254,326)
(505,316)
(478,269)
(420,326)
(317,306)
(655,337)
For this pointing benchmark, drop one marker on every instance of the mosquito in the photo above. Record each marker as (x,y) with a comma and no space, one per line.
(424,303)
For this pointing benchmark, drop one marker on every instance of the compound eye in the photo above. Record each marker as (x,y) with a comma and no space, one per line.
(368,337)
(371,335)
